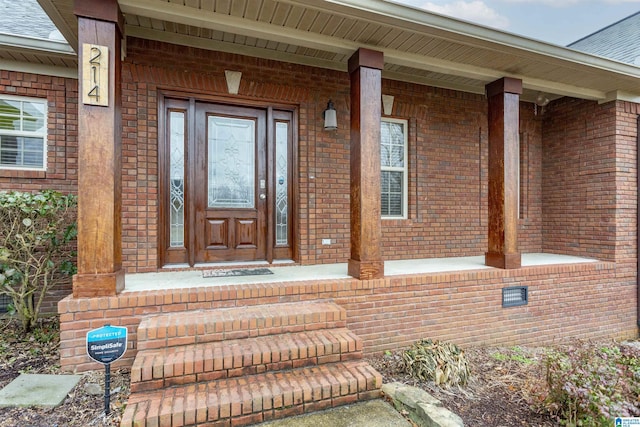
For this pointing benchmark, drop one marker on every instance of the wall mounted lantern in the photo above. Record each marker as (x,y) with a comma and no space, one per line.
(330,117)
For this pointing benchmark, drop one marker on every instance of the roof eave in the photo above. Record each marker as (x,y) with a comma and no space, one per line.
(36,45)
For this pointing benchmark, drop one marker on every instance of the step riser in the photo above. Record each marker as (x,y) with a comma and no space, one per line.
(200,376)
(173,339)
(176,329)
(242,402)
(242,357)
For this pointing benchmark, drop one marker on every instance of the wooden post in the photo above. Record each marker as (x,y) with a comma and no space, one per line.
(100,273)
(365,70)
(504,98)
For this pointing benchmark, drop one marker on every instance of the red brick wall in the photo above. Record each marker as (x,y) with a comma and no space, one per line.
(530,223)
(62,144)
(586,301)
(579,178)
(447,155)
(626,181)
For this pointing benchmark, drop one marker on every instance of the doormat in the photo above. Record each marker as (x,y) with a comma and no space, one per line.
(238,272)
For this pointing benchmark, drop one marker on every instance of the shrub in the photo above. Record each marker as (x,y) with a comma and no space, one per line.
(589,385)
(442,363)
(36,230)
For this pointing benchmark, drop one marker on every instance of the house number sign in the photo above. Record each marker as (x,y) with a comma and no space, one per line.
(95,74)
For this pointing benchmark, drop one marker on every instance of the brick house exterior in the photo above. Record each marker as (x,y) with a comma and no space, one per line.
(576,170)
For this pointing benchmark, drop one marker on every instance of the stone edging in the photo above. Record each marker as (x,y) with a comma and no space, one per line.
(422,408)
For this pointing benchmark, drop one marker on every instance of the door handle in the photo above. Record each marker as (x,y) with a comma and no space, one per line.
(263,196)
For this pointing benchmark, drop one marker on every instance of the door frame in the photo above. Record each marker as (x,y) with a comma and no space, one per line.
(187,259)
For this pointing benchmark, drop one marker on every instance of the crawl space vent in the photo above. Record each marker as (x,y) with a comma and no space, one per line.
(515,296)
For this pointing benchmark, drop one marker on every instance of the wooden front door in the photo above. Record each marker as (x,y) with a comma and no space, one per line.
(230,183)
(226,183)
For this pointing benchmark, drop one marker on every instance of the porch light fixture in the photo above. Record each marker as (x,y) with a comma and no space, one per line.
(330,117)
(541,100)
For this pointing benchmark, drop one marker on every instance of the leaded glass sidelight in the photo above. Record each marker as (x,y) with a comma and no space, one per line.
(231,162)
(176,178)
(282,191)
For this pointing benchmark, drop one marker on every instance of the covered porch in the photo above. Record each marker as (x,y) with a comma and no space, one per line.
(458,156)
(281,272)
(489,166)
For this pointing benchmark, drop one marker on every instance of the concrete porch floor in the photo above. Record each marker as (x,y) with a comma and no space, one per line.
(289,273)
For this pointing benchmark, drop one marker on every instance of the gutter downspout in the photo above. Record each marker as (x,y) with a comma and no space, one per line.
(638,217)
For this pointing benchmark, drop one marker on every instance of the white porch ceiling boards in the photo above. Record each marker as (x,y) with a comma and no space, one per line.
(418,46)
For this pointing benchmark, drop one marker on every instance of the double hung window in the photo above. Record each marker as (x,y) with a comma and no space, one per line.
(394,168)
(23,133)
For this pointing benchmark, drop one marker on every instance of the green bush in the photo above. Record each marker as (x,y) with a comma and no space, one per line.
(589,385)
(36,231)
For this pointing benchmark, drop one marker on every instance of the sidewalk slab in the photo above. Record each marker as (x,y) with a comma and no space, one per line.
(372,413)
(37,390)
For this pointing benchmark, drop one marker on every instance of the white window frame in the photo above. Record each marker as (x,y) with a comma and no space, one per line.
(33,134)
(404,170)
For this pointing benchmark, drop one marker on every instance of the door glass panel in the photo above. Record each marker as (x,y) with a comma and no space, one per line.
(282,193)
(176,179)
(231,162)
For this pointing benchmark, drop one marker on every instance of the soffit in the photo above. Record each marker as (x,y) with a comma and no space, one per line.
(418,46)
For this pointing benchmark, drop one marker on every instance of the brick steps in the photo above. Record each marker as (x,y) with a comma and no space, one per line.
(240,366)
(257,398)
(225,359)
(176,329)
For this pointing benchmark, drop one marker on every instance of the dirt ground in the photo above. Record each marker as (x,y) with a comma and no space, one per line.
(38,354)
(498,391)
(495,396)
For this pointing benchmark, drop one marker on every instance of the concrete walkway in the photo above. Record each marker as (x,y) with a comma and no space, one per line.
(373,413)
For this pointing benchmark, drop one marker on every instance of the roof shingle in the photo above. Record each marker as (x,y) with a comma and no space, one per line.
(619,41)
(24,18)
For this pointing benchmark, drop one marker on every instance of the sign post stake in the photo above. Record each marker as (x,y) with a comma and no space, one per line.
(107,388)
(106,345)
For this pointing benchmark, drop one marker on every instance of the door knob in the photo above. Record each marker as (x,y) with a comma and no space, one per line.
(263,196)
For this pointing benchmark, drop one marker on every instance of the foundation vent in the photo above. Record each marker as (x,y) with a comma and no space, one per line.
(515,296)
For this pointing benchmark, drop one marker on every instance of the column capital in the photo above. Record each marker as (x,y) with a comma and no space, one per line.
(504,85)
(101,10)
(366,58)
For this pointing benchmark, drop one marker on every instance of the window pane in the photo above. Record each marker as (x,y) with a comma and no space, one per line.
(33,124)
(9,108)
(32,152)
(392,144)
(19,151)
(8,142)
(9,123)
(33,116)
(392,193)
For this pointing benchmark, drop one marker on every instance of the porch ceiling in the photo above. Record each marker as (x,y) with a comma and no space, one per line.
(418,46)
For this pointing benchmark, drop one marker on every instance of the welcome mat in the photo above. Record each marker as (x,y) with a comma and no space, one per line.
(236,272)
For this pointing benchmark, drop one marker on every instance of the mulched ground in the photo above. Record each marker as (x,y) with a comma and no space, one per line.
(497,394)
(37,353)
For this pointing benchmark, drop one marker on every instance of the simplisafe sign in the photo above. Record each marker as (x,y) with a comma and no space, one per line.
(107,344)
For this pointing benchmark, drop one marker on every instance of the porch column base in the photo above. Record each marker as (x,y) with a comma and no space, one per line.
(98,285)
(505,261)
(365,270)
